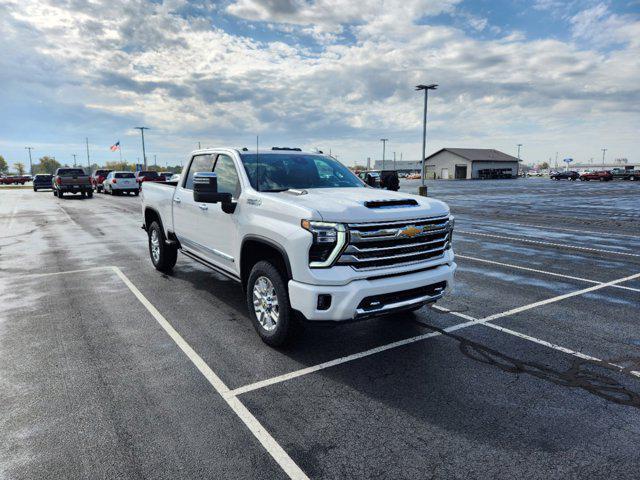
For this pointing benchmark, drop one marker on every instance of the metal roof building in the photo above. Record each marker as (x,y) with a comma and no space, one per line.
(468,163)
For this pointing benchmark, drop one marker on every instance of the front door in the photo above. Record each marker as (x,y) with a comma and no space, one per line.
(187,214)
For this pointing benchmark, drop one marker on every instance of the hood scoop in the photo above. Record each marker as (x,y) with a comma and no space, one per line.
(409,202)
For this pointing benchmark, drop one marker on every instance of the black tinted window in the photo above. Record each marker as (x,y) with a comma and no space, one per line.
(149,174)
(70,171)
(124,175)
(200,163)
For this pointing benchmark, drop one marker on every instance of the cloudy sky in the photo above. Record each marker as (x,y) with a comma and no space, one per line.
(554,75)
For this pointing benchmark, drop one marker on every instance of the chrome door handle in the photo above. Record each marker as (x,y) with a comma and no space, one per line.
(202,206)
(177,200)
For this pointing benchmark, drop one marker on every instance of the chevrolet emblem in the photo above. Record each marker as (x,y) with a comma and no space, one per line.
(410,231)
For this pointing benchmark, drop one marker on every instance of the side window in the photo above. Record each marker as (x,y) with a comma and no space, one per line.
(200,163)
(228,181)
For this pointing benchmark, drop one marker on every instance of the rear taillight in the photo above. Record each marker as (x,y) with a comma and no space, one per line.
(59,181)
(113,180)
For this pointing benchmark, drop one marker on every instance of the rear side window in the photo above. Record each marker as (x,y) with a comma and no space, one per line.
(200,163)
(125,175)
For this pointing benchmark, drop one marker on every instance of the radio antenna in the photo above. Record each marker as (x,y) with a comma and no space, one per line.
(257,165)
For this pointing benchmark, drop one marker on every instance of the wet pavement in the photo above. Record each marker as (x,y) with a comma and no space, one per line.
(528,369)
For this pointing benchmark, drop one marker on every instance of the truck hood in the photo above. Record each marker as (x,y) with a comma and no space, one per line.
(348,205)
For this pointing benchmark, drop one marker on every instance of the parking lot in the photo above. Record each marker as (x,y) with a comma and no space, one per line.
(529,368)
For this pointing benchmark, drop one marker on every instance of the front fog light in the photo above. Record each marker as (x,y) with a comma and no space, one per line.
(328,240)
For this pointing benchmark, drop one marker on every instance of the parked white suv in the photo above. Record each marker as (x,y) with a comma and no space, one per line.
(117,183)
(303,235)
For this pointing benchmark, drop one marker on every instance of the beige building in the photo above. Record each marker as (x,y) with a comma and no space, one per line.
(468,163)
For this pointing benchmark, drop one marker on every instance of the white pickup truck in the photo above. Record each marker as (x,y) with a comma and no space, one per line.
(305,237)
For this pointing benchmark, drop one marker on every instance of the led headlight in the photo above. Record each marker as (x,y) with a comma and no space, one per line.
(452,222)
(328,240)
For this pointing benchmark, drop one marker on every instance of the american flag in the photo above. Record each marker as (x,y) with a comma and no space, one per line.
(115,146)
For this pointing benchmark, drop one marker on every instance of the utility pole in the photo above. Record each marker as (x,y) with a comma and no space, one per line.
(423,189)
(30,161)
(88,158)
(199,147)
(556,160)
(384,145)
(155,160)
(144,153)
(74,160)
(368,163)
(603,152)
(394,160)
(519,145)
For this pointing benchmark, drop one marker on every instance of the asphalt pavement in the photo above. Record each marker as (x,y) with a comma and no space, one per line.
(530,368)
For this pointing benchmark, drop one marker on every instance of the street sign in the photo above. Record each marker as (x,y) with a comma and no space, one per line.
(139,167)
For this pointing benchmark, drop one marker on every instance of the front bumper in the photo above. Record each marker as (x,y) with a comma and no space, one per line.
(346,299)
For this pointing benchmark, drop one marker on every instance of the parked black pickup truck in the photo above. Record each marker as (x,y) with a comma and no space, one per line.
(625,174)
(72,180)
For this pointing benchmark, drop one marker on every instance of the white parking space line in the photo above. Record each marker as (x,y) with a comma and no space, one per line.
(66,272)
(560,348)
(564,229)
(544,272)
(470,322)
(548,244)
(262,435)
(523,308)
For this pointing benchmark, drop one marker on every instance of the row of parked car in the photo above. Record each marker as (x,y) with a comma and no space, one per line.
(601,175)
(14,179)
(76,181)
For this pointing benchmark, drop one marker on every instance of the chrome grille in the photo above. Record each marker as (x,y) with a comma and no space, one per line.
(390,244)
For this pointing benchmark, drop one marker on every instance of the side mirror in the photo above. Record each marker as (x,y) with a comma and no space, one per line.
(205,190)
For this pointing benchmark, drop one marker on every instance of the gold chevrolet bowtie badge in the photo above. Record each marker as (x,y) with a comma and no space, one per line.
(410,231)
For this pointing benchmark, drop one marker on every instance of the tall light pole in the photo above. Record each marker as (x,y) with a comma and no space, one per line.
(426,88)
(603,152)
(74,159)
(556,160)
(144,153)
(394,160)
(30,161)
(86,139)
(384,144)
(519,146)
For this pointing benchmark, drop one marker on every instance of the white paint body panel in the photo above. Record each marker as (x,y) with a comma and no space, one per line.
(276,216)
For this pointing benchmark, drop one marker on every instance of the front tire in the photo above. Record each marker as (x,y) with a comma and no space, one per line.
(60,194)
(163,256)
(268,304)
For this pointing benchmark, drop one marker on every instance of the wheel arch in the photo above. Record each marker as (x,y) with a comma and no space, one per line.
(255,248)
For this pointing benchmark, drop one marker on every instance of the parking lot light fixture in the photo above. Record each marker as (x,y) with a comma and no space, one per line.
(30,160)
(144,153)
(384,144)
(604,150)
(426,89)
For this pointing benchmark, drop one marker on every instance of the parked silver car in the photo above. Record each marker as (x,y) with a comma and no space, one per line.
(117,183)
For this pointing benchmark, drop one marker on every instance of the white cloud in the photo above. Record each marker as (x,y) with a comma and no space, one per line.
(188,78)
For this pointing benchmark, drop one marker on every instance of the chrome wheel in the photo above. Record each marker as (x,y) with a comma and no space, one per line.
(265,303)
(155,246)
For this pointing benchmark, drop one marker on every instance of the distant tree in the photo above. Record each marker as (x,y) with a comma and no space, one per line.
(20,168)
(120,166)
(544,166)
(47,165)
(4,168)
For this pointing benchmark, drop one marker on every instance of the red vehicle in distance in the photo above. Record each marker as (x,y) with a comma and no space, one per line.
(98,177)
(602,176)
(148,176)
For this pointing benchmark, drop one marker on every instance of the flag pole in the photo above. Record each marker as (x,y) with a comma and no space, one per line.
(120,150)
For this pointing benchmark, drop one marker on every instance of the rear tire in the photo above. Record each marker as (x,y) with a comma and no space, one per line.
(277,323)
(35,189)
(60,194)
(90,194)
(136,193)
(163,256)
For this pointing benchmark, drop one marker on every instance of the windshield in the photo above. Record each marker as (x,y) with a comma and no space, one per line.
(282,171)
